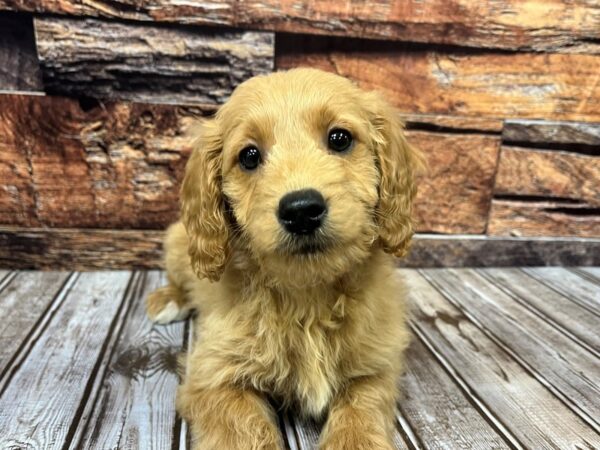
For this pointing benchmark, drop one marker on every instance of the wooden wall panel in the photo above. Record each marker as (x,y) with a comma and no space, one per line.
(483,84)
(148,63)
(455,192)
(551,132)
(19,68)
(507,24)
(66,163)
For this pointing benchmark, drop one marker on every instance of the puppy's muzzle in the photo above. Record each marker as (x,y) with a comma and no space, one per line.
(302,212)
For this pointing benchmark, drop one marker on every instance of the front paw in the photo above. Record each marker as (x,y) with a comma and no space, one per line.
(356,440)
(165,305)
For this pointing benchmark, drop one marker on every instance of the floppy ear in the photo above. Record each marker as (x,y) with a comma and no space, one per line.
(203,206)
(399,163)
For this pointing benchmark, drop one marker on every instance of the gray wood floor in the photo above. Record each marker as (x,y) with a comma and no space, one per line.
(502,358)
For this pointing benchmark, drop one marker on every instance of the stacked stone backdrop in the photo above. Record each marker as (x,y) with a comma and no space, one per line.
(502,97)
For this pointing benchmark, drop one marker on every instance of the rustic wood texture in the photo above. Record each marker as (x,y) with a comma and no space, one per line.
(90,249)
(79,164)
(23,303)
(48,387)
(508,24)
(547,131)
(526,413)
(573,319)
(543,218)
(566,368)
(563,176)
(423,80)
(19,67)
(441,123)
(136,404)
(455,191)
(98,374)
(148,63)
(572,286)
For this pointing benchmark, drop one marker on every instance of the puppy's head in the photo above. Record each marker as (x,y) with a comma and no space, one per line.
(302,171)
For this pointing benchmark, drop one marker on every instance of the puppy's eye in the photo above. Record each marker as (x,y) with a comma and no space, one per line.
(339,140)
(249,158)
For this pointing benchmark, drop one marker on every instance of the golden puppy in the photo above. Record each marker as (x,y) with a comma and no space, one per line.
(295,196)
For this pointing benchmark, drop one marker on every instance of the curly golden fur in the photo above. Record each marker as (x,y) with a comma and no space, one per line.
(321,331)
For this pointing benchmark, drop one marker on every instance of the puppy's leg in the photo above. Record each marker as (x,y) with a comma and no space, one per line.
(167,304)
(228,418)
(362,417)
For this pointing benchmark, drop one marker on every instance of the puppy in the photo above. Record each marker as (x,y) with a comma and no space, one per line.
(295,197)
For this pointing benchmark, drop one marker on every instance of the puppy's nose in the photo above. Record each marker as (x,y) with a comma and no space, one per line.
(302,212)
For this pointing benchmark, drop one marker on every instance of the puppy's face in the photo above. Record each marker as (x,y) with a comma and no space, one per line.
(312,172)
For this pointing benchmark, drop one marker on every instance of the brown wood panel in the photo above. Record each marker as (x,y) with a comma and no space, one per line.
(59,372)
(547,131)
(23,302)
(569,284)
(543,218)
(90,249)
(452,123)
(575,320)
(509,24)
(19,67)
(429,81)
(68,163)
(455,192)
(545,173)
(526,413)
(135,408)
(186,65)
(566,368)
(440,414)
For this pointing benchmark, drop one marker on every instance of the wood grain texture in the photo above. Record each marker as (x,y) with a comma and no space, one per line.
(22,304)
(573,319)
(439,413)
(527,414)
(452,123)
(66,163)
(543,218)
(19,67)
(135,408)
(60,368)
(555,25)
(143,62)
(572,286)
(90,249)
(422,80)
(553,174)
(455,191)
(570,371)
(547,131)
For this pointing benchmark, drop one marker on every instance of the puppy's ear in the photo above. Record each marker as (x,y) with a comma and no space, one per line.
(399,163)
(202,203)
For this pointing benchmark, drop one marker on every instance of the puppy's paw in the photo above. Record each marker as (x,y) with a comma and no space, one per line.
(356,440)
(166,305)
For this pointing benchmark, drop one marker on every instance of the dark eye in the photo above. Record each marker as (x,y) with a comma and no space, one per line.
(249,158)
(339,140)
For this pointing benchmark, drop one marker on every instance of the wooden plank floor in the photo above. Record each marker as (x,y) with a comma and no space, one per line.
(501,358)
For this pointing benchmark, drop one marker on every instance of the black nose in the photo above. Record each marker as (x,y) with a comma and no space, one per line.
(302,212)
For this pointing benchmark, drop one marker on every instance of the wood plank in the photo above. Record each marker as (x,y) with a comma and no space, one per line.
(593,271)
(551,132)
(189,65)
(19,67)
(50,386)
(554,175)
(481,84)
(455,192)
(22,304)
(543,218)
(566,368)
(66,163)
(524,411)
(90,249)
(439,413)
(555,25)
(577,288)
(443,123)
(574,320)
(135,408)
